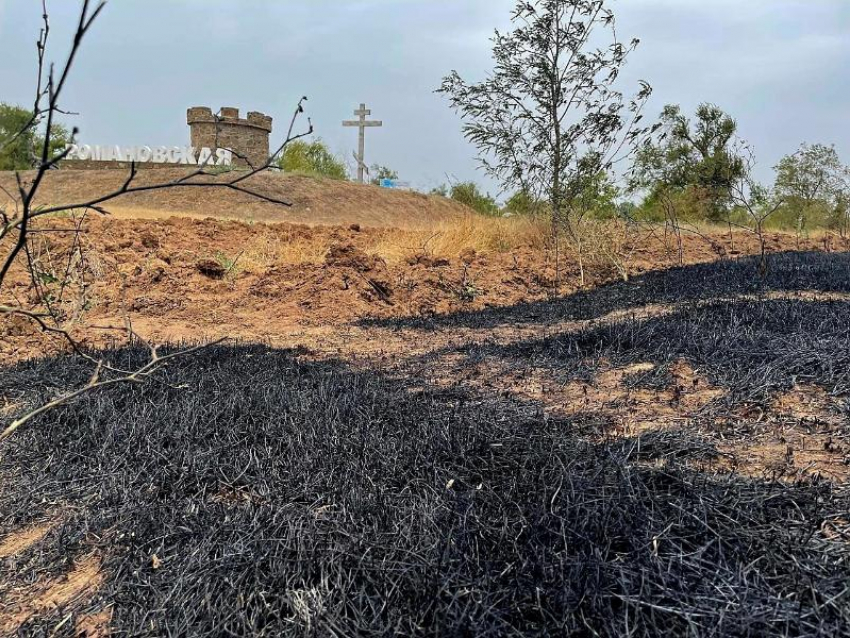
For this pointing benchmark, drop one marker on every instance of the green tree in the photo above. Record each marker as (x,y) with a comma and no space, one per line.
(378,173)
(468,193)
(839,220)
(810,181)
(17,140)
(312,158)
(699,156)
(599,196)
(550,114)
(20,141)
(524,203)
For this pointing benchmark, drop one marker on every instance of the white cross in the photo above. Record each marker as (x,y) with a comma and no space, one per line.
(362,123)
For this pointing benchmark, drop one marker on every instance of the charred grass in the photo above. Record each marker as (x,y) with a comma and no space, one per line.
(257,492)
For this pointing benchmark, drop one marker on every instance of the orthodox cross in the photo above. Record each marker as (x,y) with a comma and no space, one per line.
(362,123)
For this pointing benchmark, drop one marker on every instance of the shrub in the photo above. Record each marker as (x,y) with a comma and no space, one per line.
(312,158)
(524,203)
(467,193)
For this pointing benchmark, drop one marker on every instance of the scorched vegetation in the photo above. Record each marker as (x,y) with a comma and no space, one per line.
(258,492)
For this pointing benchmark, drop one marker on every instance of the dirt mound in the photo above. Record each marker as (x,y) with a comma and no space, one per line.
(315,201)
(184,279)
(349,256)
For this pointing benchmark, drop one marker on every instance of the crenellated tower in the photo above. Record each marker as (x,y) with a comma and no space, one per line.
(248,138)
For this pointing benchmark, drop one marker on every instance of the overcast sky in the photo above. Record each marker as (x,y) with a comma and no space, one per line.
(780,67)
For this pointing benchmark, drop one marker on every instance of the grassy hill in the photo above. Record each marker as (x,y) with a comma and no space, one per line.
(315,201)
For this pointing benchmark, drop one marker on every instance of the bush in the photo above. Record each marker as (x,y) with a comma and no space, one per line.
(524,203)
(467,193)
(312,158)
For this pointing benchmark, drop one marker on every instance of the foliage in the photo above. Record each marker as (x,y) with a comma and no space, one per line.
(469,194)
(20,139)
(627,210)
(689,204)
(15,154)
(599,196)
(549,114)
(693,163)
(378,173)
(839,220)
(312,158)
(811,182)
(524,203)
(813,173)
(759,204)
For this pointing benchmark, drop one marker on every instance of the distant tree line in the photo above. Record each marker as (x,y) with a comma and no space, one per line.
(690,168)
(553,126)
(687,171)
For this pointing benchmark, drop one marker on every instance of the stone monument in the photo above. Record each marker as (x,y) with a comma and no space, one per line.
(248,138)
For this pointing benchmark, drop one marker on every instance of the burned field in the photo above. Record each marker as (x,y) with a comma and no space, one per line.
(264,492)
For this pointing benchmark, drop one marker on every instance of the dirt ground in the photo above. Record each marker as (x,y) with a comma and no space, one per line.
(184,280)
(318,288)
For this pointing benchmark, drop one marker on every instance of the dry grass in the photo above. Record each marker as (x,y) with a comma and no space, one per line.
(484,235)
(315,201)
(266,251)
(448,239)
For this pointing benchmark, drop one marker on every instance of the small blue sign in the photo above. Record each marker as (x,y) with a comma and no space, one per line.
(395,183)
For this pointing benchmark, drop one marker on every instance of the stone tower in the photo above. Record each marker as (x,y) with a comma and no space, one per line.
(248,138)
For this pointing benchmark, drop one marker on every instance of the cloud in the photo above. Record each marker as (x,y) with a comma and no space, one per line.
(776,65)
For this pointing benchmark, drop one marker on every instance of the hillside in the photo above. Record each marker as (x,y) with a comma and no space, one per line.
(315,201)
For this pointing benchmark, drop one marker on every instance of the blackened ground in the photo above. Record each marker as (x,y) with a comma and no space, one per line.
(752,348)
(787,272)
(282,496)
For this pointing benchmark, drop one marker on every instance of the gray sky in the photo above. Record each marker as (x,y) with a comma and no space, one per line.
(779,66)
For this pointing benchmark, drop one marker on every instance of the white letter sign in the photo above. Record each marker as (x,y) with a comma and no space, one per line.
(146,154)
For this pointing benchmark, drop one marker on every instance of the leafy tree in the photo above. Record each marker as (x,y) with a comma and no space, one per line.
(468,193)
(691,161)
(16,153)
(627,210)
(549,117)
(839,220)
(811,181)
(19,138)
(312,158)
(599,196)
(379,173)
(524,203)
(756,203)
